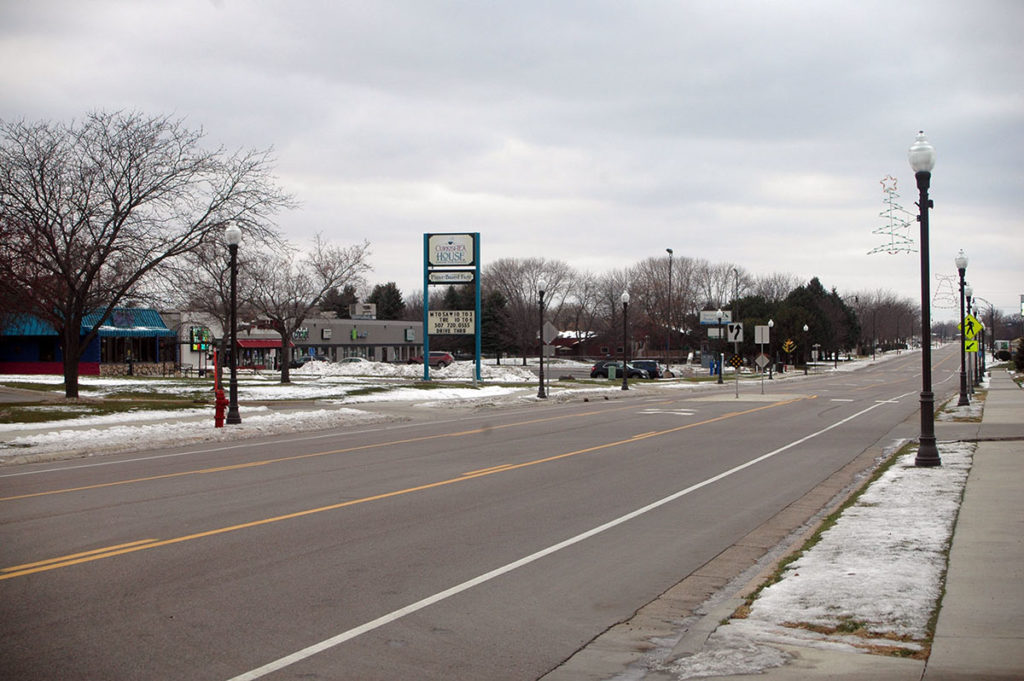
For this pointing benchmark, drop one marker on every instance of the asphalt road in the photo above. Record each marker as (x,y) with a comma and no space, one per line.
(487,546)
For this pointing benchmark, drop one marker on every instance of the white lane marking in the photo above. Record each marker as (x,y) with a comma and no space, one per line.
(678,412)
(337,640)
(840,399)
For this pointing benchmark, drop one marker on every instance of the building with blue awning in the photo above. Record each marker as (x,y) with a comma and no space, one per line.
(131,341)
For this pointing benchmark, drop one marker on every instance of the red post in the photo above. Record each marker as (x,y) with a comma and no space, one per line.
(219,404)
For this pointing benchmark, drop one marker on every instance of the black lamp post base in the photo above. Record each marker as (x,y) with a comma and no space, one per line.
(927,454)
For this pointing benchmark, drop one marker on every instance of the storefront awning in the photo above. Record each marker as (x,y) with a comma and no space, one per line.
(261,343)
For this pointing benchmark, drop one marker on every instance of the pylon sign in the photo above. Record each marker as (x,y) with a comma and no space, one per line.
(970,327)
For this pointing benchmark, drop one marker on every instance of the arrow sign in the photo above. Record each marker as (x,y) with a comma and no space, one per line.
(971,345)
(735,333)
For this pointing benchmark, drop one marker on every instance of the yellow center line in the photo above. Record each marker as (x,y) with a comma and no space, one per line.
(492,469)
(63,559)
(141,545)
(311,455)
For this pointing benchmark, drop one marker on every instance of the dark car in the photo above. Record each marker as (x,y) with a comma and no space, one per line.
(600,370)
(302,360)
(652,367)
(438,360)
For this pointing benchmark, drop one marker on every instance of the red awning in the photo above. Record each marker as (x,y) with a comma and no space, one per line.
(253,343)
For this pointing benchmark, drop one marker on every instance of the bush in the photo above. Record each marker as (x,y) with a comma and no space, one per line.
(1003,355)
(1018,357)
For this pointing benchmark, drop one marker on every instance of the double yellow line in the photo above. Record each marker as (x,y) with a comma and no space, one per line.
(146,544)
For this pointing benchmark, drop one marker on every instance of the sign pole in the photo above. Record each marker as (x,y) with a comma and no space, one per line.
(426,307)
(736,365)
(761,351)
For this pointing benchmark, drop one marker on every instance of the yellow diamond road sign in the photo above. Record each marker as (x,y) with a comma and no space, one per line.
(971,346)
(971,327)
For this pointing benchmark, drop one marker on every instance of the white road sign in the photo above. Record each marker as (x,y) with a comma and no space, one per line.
(550,332)
(457,322)
(735,334)
(711,317)
(761,334)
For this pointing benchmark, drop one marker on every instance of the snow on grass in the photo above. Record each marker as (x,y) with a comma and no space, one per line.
(256,421)
(869,583)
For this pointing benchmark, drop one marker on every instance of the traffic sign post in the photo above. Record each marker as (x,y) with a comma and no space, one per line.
(736,361)
(735,335)
(761,337)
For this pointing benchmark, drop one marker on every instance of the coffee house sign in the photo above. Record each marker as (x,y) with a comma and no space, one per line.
(450,250)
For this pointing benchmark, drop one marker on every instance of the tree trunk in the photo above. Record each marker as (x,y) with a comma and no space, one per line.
(285,359)
(71,357)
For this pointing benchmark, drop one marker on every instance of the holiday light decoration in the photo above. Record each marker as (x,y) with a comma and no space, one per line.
(896,228)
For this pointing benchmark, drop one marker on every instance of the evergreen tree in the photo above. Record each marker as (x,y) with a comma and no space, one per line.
(339,301)
(388,299)
(494,322)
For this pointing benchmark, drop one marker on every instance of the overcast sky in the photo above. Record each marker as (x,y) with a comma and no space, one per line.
(597,133)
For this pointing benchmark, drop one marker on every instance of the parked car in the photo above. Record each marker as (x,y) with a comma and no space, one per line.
(302,360)
(438,359)
(653,367)
(354,360)
(600,370)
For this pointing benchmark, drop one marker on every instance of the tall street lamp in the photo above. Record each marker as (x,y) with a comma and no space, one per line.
(540,337)
(961,268)
(625,339)
(718,355)
(671,329)
(771,362)
(233,237)
(922,159)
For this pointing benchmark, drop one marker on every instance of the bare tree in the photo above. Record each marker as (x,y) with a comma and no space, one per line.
(90,209)
(580,314)
(717,283)
(517,280)
(775,287)
(286,288)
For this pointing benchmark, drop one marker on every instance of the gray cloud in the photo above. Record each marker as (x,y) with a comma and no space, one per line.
(598,133)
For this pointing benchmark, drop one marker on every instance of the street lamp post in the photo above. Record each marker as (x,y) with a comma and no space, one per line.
(719,355)
(922,159)
(668,340)
(807,349)
(625,339)
(233,237)
(540,337)
(961,268)
(771,362)
(972,359)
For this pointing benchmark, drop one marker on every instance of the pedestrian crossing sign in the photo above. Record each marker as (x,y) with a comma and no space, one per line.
(970,327)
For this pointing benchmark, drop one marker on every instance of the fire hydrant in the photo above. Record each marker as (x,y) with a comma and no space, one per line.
(219,403)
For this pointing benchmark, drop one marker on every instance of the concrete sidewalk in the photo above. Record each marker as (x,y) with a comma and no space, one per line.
(980,631)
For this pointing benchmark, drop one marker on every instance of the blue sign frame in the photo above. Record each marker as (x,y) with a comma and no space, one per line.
(436,263)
